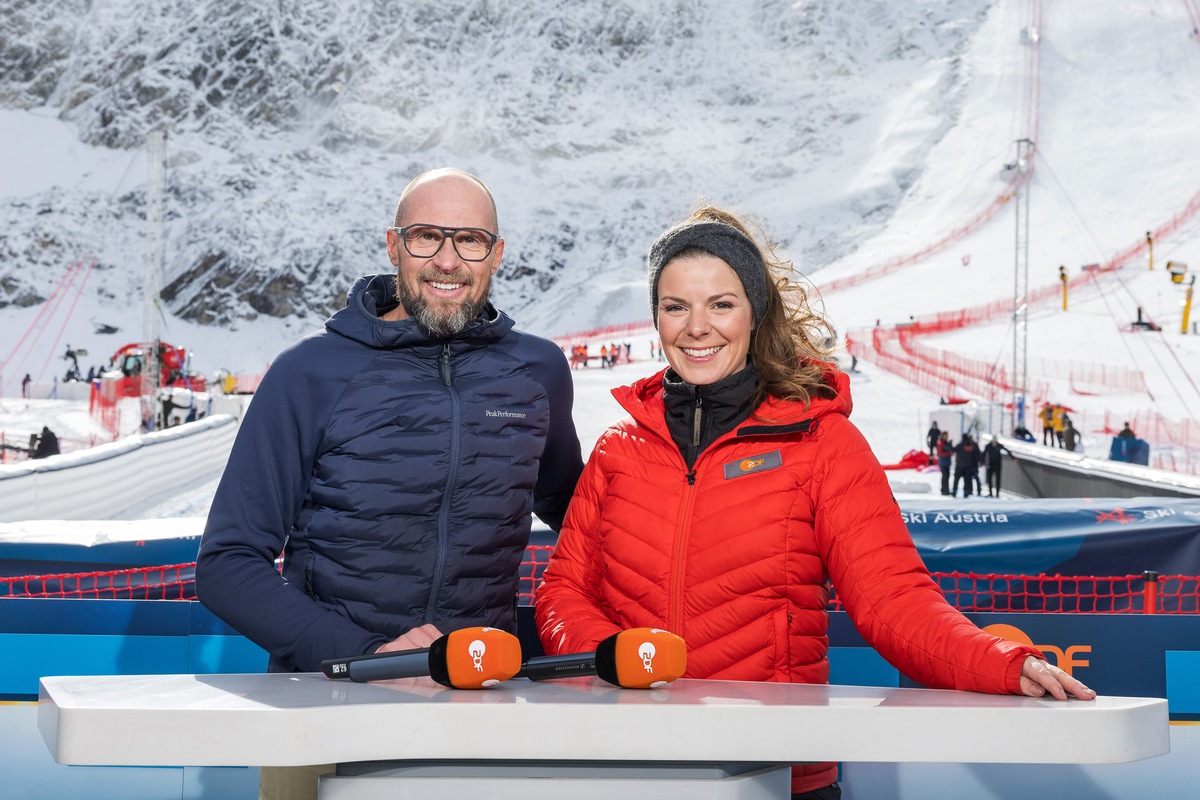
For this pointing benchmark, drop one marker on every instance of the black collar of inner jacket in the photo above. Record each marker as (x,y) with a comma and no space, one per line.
(724,405)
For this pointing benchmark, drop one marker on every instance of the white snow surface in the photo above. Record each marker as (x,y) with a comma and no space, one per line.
(856,134)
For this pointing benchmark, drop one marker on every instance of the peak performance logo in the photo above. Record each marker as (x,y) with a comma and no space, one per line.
(1065,659)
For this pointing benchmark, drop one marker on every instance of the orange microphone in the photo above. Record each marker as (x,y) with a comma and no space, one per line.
(637,658)
(469,658)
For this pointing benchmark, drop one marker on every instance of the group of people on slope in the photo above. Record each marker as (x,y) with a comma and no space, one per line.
(395,458)
(1058,429)
(609,354)
(966,457)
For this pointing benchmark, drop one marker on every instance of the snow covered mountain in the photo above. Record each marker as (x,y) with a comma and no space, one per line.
(292,126)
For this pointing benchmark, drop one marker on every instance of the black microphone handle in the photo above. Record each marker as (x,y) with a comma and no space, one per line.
(389,666)
(540,668)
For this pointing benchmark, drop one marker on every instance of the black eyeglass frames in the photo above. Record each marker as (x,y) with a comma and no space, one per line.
(424,241)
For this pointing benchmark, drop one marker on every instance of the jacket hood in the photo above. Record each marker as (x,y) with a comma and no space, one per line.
(373,294)
(643,399)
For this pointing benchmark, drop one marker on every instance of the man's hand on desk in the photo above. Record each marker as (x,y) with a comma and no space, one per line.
(413,640)
(1039,677)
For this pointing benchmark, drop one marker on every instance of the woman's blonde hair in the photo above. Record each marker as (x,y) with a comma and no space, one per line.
(791,345)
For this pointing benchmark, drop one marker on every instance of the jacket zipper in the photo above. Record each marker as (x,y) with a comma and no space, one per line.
(443,526)
(674,615)
(674,612)
(445,363)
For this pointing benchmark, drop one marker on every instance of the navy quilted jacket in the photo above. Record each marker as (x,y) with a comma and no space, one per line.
(396,473)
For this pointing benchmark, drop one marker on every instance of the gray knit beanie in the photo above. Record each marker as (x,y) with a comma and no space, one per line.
(723,241)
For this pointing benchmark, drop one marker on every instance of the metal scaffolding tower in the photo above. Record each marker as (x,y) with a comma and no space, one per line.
(152,284)
(1020,379)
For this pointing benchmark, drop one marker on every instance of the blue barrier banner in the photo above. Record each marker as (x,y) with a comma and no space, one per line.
(44,547)
(1068,536)
(1132,451)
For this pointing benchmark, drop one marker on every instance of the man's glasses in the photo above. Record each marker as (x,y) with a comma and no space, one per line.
(424,241)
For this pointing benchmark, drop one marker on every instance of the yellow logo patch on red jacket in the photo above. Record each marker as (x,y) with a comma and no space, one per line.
(757,463)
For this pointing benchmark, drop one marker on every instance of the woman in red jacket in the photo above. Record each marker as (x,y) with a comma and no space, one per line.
(738,487)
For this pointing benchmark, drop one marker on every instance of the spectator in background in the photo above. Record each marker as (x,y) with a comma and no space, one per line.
(931,438)
(992,462)
(47,444)
(28,380)
(966,465)
(1127,432)
(1070,434)
(1046,415)
(945,454)
(1056,422)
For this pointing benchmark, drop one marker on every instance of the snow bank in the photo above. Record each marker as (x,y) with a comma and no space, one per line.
(109,480)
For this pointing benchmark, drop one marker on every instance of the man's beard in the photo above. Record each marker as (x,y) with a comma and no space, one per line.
(442,320)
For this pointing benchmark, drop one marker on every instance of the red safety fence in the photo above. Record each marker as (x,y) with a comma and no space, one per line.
(170,582)
(951,377)
(102,406)
(967,591)
(1073,594)
(955,378)
(605,334)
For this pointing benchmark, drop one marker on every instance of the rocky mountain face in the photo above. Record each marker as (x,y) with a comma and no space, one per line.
(292,126)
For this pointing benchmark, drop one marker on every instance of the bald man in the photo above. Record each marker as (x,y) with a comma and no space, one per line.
(396,456)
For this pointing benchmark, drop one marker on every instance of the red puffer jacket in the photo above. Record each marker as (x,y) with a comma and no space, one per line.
(734,555)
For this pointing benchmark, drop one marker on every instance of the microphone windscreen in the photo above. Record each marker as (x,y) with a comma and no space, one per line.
(641,658)
(474,658)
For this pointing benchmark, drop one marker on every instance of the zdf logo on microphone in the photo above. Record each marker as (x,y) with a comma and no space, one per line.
(647,650)
(476,649)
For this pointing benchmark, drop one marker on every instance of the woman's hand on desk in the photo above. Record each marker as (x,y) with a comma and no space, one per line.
(1039,677)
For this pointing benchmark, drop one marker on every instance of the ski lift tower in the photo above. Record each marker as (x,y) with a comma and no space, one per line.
(152,285)
(1020,380)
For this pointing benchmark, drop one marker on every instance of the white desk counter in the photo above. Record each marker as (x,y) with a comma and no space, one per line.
(290,720)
